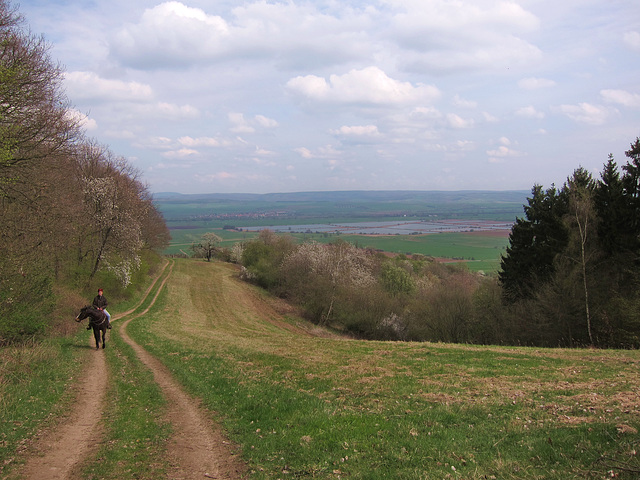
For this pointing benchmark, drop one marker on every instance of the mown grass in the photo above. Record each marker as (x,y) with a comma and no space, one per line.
(303,406)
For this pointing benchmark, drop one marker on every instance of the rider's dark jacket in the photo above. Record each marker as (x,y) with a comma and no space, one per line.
(100,301)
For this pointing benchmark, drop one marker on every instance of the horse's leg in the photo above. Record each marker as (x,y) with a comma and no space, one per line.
(104,337)
(96,334)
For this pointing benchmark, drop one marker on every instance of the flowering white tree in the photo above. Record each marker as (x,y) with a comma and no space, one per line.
(206,246)
(117,208)
(331,269)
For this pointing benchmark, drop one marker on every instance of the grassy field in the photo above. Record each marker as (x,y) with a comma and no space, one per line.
(302,402)
(478,251)
(309,406)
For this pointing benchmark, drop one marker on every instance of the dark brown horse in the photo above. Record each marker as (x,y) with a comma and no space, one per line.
(97,320)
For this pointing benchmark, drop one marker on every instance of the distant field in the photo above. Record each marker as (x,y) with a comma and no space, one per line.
(190,216)
(477,250)
(480,251)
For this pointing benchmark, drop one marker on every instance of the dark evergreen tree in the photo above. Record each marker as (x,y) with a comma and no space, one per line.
(609,202)
(631,184)
(534,243)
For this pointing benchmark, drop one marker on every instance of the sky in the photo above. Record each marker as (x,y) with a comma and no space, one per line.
(289,96)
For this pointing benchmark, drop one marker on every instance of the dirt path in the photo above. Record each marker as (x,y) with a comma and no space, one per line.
(197,450)
(67,444)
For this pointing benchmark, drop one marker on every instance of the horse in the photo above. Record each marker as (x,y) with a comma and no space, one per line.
(97,320)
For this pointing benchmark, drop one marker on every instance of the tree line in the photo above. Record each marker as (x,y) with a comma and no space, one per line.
(571,268)
(568,278)
(72,211)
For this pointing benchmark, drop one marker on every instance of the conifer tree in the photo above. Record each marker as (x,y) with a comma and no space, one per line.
(534,242)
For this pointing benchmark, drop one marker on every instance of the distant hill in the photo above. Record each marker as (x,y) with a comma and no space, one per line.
(499,205)
(352,195)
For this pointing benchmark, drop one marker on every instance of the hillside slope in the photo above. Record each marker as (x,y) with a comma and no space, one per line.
(324,406)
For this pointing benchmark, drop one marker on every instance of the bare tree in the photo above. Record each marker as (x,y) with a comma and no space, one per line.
(35,124)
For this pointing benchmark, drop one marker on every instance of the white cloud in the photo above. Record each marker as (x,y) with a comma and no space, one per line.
(358,131)
(464,145)
(155,143)
(215,177)
(534,83)
(82,120)
(174,35)
(304,152)
(262,152)
(632,39)
(529,112)
(239,123)
(370,85)
(327,151)
(170,33)
(501,153)
(456,121)
(199,142)
(621,97)
(88,85)
(170,110)
(462,35)
(265,122)
(490,118)
(121,134)
(462,103)
(586,113)
(242,125)
(181,153)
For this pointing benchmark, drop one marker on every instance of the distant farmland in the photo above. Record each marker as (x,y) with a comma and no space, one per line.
(469,227)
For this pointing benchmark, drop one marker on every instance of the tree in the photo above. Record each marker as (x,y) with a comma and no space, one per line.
(534,243)
(609,203)
(631,184)
(35,125)
(36,134)
(396,280)
(580,221)
(263,256)
(325,277)
(207,245)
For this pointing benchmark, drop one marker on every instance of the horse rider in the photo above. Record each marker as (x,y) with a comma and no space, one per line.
(100,302)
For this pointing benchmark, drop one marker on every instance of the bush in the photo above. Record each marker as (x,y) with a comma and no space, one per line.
(26,303)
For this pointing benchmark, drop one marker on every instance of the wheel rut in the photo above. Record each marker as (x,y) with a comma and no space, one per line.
(197,448)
